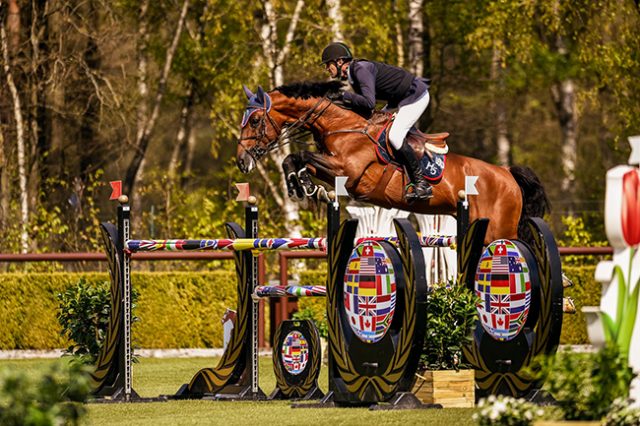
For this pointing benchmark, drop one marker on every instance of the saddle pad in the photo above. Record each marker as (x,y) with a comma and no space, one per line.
(432,164)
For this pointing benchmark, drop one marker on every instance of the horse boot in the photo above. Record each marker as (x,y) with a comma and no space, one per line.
(421,189)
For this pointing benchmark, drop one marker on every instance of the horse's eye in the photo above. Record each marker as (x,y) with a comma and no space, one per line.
(254,122)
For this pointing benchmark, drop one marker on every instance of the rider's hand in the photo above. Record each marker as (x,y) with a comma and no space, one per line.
(336,97)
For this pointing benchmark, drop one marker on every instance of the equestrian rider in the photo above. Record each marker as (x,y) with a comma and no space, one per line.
(373,81)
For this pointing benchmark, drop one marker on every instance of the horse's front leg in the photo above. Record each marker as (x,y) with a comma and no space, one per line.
(291,165)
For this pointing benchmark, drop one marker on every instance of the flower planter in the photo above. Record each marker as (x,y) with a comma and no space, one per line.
(594,325)
(567,423)
(452,389)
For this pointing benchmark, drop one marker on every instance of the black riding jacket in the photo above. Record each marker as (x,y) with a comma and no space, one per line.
(373,81)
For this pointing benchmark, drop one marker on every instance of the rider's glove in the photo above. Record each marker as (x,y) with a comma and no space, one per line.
(336,97)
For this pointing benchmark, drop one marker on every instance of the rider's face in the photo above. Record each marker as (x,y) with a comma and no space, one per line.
(332,69)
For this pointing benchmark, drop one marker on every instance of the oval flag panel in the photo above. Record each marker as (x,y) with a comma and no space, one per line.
(369,291)
(503,285)
(295,352)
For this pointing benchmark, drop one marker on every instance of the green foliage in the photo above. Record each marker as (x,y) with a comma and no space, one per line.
(620,331)
(576,234)
(83,314)
(55,398)
(317,313)
(451,317)
(506,411)
(585,385)
(183,310)
(621,414)
(314,308)
(176,310)
(585,292)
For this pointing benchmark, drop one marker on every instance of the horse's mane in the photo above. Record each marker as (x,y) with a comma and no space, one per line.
(309,89)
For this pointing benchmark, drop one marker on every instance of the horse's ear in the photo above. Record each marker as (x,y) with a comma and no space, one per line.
(247,91)
(260,93)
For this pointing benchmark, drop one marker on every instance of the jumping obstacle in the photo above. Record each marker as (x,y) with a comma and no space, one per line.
(362,369)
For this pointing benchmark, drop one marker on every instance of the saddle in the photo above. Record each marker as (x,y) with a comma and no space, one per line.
(418,140)
(430,149)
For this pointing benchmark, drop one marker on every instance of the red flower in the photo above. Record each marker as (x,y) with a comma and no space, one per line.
(631,208)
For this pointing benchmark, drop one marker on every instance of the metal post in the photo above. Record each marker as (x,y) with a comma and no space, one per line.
(124,231)
(463,216)
(251,227)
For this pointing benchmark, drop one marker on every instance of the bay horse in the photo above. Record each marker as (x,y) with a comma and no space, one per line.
(346,146)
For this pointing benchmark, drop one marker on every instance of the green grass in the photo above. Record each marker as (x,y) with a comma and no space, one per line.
(153,377)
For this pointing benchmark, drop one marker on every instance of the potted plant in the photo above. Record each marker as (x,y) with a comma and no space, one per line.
(442,377)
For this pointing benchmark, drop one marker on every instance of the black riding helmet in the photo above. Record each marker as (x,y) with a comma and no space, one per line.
(335,51)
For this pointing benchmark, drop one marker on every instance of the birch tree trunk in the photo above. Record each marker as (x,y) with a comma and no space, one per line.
(564,98)
(563,94)
(180,150)
(146,127)
(5,191)
(499,110)
(335,16)
(20,140)
(415,41)
(399,35)
(275,58)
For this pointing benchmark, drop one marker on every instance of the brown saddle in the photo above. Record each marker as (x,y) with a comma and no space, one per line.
(420,142)
(433,142)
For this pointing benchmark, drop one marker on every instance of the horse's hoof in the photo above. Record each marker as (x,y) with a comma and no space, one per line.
(310,192)
(568,307)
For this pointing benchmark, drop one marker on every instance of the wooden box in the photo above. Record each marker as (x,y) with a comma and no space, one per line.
(454,389)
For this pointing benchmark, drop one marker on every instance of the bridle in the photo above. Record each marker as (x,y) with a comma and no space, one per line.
(291,131)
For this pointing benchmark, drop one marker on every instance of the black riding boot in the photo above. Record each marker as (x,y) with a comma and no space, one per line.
(421,189)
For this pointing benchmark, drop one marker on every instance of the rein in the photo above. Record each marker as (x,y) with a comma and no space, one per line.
(295,129)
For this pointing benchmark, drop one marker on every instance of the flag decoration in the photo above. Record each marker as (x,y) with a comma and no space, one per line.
(502,283)
(295,352)
(369,291)
(290,290)
(228,244)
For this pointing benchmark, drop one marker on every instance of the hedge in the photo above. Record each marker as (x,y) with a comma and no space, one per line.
(184,309)
(176,310)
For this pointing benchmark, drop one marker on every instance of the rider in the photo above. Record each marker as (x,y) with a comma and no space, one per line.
(373,81)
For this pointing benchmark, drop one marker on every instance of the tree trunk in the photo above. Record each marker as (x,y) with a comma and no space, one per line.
(335,16)
(145,130)
(184,130)
(500,114)
(183,137)
(399,35)
(275,61)
(5,188)
(13,27)
(91,156)
(564,98)
(415,40)
(20,141)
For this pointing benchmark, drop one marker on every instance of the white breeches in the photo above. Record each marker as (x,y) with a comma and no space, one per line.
(406,117)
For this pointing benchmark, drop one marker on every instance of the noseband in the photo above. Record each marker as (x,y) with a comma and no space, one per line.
(296,128)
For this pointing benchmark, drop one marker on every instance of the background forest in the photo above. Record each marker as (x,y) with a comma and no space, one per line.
(150,92)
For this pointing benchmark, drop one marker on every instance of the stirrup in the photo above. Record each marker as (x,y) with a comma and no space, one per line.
(413,196)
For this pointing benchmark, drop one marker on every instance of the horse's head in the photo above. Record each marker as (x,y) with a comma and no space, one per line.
(260,130)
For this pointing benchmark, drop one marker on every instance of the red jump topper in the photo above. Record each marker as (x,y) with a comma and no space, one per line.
(116,189)
(243,191)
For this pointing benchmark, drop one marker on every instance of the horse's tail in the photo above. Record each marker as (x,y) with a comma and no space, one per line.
(534,198)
